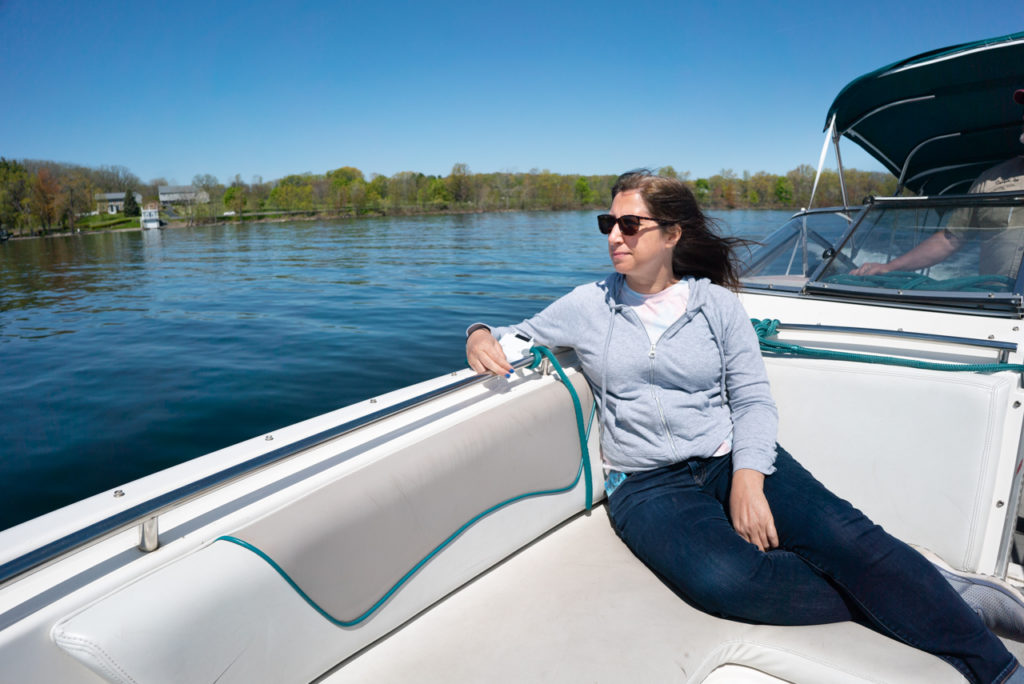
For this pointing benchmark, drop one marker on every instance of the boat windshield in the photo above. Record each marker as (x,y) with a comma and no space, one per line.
(948,247)
(787,257)
(963,250)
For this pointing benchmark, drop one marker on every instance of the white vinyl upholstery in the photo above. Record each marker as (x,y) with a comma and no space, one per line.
(578,607)
(203,617)
(574,605)
(348,543)
(224,614)
(917,451)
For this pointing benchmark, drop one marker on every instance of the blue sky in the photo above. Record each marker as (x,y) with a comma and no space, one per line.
(175,89)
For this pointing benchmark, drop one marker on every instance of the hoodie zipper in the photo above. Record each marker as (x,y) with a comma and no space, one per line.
(651,355)
(657,401)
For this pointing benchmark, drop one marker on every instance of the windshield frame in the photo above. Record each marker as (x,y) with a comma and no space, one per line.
(852,216)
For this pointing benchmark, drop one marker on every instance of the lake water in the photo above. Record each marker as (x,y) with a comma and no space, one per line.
(125,353)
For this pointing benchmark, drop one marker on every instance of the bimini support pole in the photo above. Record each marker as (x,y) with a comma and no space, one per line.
(821,159)
(839,162)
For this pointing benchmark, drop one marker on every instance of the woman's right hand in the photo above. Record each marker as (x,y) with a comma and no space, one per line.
(484,353)
(749,510)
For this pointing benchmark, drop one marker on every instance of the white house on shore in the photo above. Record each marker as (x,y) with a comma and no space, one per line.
(151,216)
(113,202)
(182,194)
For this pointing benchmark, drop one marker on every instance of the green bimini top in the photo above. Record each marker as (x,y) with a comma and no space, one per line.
(939,119)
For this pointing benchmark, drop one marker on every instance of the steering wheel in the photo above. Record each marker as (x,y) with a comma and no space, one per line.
(840,258)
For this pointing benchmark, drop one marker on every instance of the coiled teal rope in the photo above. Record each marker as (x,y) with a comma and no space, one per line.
(768,327)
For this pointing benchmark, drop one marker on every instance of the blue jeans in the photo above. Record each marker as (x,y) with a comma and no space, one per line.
(833,563)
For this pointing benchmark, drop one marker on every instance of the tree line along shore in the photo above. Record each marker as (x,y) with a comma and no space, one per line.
(44,197)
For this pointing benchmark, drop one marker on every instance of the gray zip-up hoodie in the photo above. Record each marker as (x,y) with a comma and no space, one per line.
(679,398)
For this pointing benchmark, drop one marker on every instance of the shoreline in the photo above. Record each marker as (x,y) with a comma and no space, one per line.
(174,225)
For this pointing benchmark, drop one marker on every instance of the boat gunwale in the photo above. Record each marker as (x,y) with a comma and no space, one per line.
(155,506)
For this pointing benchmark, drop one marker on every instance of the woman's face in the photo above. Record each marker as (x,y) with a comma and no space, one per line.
(646,257)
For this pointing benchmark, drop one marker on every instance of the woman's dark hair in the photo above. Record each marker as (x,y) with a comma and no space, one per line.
(701,252)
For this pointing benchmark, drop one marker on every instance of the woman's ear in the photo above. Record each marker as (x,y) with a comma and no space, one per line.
(672,235)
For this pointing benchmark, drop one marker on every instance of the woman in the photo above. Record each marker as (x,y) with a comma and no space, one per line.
(697,487)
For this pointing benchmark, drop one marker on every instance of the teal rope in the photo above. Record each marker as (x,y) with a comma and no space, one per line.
(407,576)
(910,280)
(584,468)
(767,328)
(537,352)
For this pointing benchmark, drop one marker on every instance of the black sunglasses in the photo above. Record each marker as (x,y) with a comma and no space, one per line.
(628,224)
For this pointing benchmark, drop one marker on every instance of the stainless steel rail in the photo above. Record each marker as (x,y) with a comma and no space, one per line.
(146,514)
(1004,348)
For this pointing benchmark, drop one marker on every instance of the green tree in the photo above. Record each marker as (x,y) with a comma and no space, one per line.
(348,188)
(131,207)
(725,188)
(801,179)
(702,189)
(584,195)
(14,190)
(403,189)
(323,192)
(43,198)
(761,189)
(460,183)
(377,187)
(115,179)
(783,191)
(506,189)
(435,194)
(235,199)
(293,193)
(209,184)
(259,192)
(346,175)
(76,196)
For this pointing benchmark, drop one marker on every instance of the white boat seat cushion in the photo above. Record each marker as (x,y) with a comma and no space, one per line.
(917,451)
(350,542)
(577,606)
(224,613)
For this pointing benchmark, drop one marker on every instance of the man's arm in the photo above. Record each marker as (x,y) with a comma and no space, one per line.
(930,252)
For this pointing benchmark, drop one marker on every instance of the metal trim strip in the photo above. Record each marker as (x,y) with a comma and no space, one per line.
(968,341)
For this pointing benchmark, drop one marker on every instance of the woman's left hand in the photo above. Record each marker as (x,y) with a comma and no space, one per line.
(751,515)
